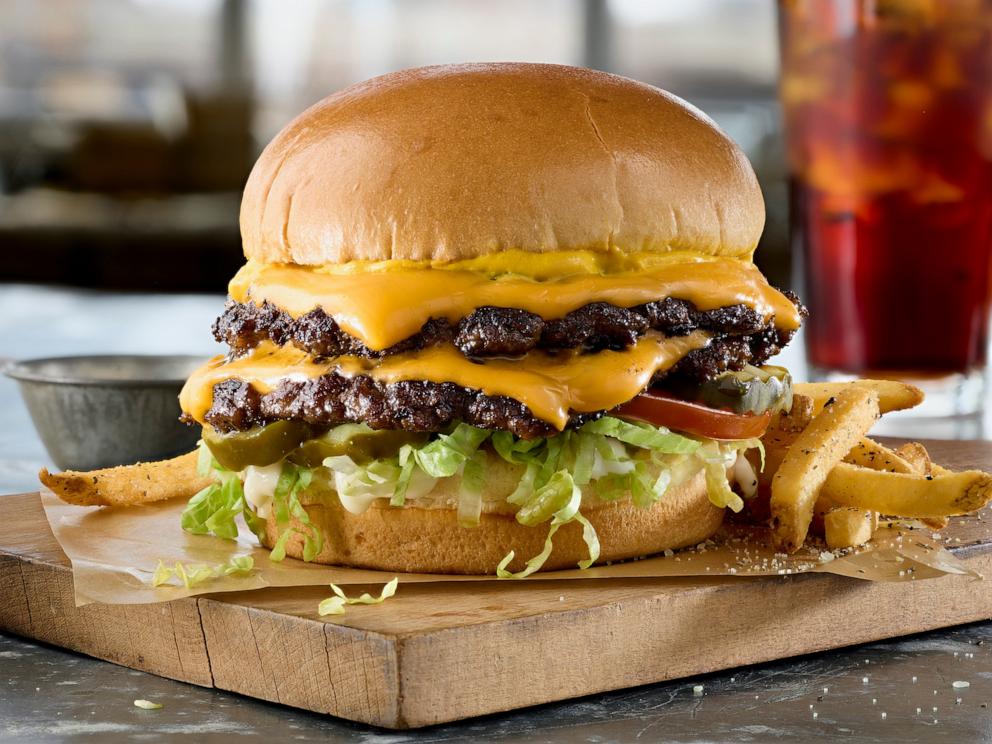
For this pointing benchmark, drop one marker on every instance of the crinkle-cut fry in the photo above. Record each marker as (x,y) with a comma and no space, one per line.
(875,456)
(848,527)
(824,443)
(908,494)
(892,395)
(128,485)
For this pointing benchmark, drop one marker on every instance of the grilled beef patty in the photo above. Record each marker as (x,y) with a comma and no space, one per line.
(431,406)
(489,331)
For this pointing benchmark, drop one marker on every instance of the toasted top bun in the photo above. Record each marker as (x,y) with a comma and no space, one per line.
(455,162)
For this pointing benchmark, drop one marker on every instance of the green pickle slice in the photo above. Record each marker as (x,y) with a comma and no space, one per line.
(750,390)
(265,445)
(357,441)
(262,445)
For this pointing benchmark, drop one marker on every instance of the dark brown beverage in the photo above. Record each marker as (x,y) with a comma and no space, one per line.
(889,128)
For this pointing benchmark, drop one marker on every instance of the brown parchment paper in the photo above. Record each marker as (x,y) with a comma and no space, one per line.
(114,552)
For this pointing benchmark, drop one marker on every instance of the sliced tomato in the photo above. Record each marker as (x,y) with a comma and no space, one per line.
(693,418)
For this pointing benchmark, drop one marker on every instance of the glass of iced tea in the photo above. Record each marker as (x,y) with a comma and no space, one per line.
(888,117)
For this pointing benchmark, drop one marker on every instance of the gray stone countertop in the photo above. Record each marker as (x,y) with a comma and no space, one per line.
(901,690)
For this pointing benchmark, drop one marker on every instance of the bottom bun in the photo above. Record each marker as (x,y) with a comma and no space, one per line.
(430,540)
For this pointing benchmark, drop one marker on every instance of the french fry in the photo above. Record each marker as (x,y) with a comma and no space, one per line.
(843,500)
(820,509)
(916,454)
(782,431)
(824,443)
(892,395)
(937,523)
(797,418)
(845,527)
(870,454)
(776,444)
(848,527)
(910,458)
(128,485)
(908,494)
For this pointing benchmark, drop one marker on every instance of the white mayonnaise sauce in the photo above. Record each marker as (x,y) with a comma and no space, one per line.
(260,486)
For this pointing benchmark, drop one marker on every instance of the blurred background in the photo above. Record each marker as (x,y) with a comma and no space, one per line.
(128,127)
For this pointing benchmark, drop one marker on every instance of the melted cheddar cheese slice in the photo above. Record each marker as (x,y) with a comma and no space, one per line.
(550,386)
(383,305)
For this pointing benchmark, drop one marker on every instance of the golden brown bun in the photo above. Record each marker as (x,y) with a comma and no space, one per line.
(455,162)
(415,540)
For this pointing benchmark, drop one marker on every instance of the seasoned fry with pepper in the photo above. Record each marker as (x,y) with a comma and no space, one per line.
(822,445)
(128,485)
(909,494)
(892,395)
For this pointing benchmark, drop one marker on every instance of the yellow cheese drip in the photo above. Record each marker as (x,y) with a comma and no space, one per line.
(550,386)
(383,307)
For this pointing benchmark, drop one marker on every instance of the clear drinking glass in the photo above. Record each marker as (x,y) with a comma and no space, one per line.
(888,118)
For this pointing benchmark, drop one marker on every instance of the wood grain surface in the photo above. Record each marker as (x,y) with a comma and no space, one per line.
(441,652)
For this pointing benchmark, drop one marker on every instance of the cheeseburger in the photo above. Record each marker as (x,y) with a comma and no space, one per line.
(494,317)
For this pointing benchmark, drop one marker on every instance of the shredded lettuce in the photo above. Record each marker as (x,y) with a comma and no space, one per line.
(717,457)
(414,471)
(525,486)
(550,499)
(212,511)
(562,492)
(615,458)
(470,490)
(407,463)
(358,486)
(444,456)
(597,453)
(191,576)
(286,505)
(335,605)
(597,449)
(205,461)
(641,434)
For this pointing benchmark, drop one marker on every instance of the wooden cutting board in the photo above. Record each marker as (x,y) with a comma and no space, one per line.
(441,652)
